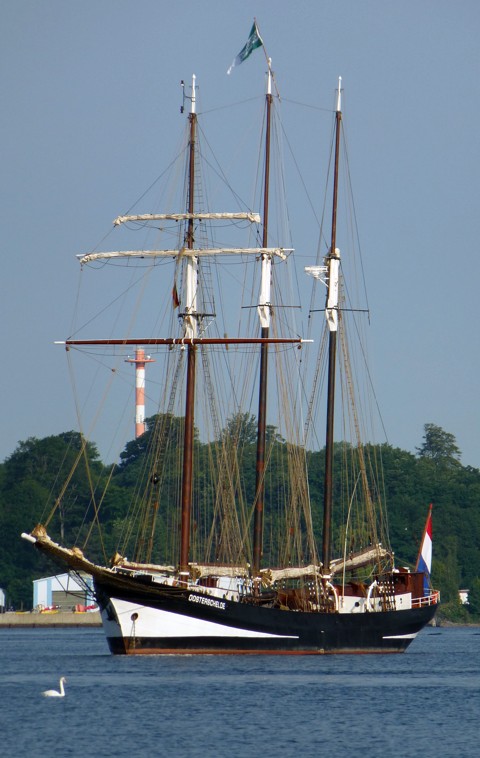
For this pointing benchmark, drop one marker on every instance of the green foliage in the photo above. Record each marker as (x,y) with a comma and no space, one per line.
(454,612)
(439,446)
(474,597)
(31,482)
(241,429)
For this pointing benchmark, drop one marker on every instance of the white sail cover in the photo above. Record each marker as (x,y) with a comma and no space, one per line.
(92,257)
(364,558)
(254,218)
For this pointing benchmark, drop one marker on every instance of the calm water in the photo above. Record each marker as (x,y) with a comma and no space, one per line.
(423,703)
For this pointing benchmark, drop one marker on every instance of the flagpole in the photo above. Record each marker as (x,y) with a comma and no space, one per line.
(268,60)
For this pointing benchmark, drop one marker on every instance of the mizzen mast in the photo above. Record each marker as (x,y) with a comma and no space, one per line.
(332,262)
(328,274)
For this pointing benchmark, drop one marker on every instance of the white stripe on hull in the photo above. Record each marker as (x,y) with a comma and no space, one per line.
(400,636)
(154,623)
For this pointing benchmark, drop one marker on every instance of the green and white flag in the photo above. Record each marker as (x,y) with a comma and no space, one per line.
(251,44)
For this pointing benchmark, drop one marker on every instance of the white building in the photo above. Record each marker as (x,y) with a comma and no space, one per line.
(63,591)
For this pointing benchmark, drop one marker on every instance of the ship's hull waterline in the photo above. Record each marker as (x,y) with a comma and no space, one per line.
(192,623)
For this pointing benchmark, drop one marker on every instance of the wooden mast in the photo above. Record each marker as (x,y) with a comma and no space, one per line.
(332,262)
(190,331)
(264,313)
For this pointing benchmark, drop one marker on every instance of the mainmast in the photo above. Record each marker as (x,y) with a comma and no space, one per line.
(190,321)
(332,262)
(264,314)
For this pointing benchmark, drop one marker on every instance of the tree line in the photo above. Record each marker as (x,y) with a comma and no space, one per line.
(32,475)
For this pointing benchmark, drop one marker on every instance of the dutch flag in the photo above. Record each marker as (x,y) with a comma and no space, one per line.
(424,560)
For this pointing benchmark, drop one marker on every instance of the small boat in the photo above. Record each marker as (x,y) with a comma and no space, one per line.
(243,563)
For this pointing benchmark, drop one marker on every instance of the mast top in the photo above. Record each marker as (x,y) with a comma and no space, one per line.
(193,98)
(339,95)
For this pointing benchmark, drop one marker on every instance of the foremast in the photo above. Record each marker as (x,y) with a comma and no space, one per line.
(190,323)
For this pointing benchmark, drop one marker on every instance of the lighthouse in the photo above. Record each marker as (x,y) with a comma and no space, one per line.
(140,360)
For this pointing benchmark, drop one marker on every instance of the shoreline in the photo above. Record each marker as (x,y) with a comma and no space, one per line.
(52,620)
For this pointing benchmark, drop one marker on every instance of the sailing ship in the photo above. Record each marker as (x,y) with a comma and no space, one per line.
(230,600)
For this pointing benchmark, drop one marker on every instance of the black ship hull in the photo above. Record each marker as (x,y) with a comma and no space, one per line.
(169,620)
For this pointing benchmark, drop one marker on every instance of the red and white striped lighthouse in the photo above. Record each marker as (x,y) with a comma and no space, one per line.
(140,360)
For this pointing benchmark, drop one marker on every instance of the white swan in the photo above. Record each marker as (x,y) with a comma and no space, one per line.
(55,693)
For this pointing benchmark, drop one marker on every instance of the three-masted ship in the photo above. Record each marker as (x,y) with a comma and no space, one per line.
(232,601)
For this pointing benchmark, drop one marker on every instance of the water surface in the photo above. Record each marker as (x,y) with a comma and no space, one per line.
(425,702)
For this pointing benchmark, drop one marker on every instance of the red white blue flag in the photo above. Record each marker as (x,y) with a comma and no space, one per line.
(424,560)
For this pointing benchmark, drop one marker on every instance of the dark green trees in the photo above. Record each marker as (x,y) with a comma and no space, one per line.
(32,479)
(439,446)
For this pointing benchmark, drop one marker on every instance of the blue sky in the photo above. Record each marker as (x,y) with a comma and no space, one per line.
(90,97)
